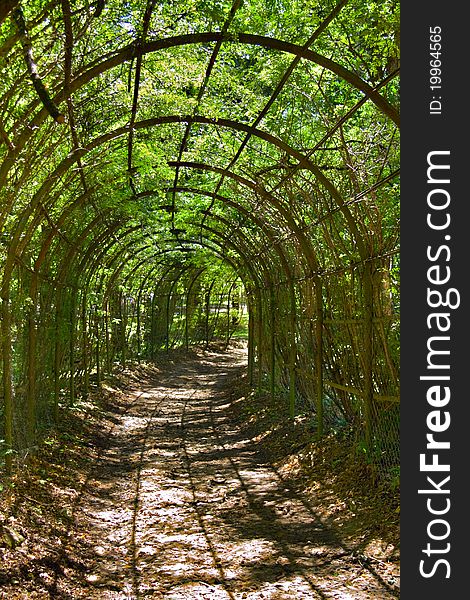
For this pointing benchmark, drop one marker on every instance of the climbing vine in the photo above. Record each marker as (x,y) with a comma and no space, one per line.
(176,173)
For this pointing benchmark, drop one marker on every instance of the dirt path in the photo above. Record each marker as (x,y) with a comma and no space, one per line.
(180,506)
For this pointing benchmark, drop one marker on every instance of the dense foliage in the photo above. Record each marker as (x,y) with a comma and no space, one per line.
(167,167)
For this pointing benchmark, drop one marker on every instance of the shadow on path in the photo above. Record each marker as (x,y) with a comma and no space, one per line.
(182,506)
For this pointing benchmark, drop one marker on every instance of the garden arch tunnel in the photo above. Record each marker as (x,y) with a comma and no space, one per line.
(164,165)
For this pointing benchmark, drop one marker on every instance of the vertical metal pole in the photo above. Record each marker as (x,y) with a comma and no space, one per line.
(251,329)
(259,323)
(139,342)
(152,325)
(86,384)
(174,282)
(368,351)
(97,349)
(7,385)
(273,342)
(106,331)
(186,318)
(58,319)
(293,352)
(228,314)
(208,306)
(167,338)
(72,346)
(186,324)
(319,356)
(31,397)
(123,318)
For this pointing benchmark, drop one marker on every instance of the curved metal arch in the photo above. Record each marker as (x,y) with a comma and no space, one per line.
(129,52)
(32,338)
(258,290)
(303,160)
(168,250)
(75,156)
(91,247)
(261,224)
(258,221)
(98,259)
(299,233)
(69,209)
(246,263)
(248,258)
(287,269)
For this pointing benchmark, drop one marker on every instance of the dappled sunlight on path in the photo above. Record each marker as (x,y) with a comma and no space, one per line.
(181,506)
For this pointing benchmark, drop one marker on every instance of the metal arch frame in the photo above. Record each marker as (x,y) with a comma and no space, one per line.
(63,167)
(298,232)
(287,270)
(45,188)
(112,259)
(74,157)
(246,262)
(270,43)
(61,219)
(132,50)
(125,54)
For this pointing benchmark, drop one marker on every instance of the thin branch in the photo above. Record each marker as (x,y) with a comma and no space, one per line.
(68,76)
(39,86)
(6,6)
(4,137)
(280,87)
(99,8)
(138,69)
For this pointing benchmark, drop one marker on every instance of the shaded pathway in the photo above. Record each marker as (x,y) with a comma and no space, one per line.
(181,506)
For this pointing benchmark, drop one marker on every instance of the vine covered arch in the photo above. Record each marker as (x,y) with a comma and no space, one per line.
(171,170)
